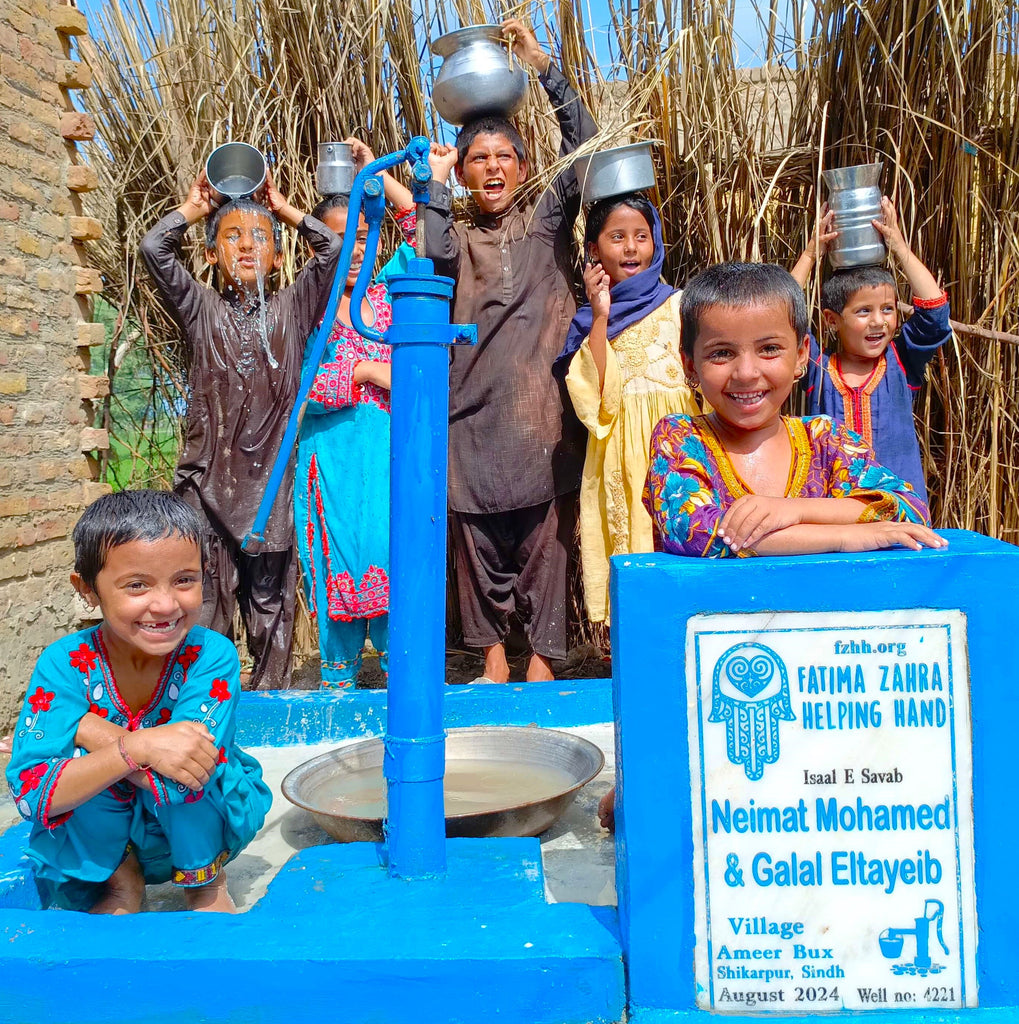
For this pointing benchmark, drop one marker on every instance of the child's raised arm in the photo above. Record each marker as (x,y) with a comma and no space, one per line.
(821,237)
(921,281)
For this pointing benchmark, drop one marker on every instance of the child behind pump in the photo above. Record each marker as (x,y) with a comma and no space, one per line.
(246,346)
(125,757)
(623,368)
(871,381)
(515,446)
(342,493)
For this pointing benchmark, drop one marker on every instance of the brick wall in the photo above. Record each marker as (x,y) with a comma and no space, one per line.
(47,441)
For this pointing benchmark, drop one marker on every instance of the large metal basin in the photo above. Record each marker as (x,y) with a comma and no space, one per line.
(545,766)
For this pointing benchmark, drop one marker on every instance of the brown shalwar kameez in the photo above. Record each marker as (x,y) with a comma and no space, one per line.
(516,449)
(242,387)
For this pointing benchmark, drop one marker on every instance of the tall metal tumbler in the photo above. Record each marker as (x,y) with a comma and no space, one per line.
(854,197)
(335,172)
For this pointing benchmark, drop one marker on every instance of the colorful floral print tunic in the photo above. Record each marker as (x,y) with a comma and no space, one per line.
(692,481)
(342,503)
(200,682)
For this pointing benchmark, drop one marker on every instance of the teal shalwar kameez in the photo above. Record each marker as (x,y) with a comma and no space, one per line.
(177,834)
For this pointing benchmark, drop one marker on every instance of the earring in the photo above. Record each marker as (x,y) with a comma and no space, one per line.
(693,383)
(800,371)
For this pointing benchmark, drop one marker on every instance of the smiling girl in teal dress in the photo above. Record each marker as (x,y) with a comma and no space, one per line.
(124,755)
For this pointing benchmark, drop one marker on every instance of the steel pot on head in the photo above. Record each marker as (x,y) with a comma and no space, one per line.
(335,172)
(478,76)
(854,196)
(235,171)
(614,172)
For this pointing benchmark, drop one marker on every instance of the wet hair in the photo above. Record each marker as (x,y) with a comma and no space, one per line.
(248,206)
(489,126)
(739,286)
(600,212)
(839,289)
(124,516)
(337,201)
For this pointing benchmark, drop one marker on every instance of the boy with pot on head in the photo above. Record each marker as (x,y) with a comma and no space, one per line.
(515,447)
(245,352)
(870,382)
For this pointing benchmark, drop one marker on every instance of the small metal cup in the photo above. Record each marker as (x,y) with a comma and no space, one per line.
(855,198)
(235,171)
(336,171)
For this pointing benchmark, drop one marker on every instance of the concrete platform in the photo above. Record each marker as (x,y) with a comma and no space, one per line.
(334,938)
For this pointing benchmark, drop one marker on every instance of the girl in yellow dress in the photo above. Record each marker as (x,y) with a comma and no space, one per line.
(623,370)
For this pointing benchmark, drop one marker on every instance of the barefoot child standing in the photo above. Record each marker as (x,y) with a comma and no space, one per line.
(124,756)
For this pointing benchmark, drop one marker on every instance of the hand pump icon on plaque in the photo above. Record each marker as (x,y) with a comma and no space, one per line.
(891,941)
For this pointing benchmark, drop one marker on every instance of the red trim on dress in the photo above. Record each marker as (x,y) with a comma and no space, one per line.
(930,303)
(44,818)
(134,719)
(856,400)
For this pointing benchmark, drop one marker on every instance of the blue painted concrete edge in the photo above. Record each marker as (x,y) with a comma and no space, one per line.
(286,717)
(976,1015)
(334,935)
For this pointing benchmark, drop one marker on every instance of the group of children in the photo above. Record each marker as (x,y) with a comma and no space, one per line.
(125,757)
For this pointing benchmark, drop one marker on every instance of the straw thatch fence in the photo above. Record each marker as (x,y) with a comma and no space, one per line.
(930,89)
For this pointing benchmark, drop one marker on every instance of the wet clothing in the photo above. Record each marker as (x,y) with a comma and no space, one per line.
(515,561)
(244,377)
(692,482)
(515,445)
(881,409)
(177,834)
(342,498)
(265,588)
(513,439)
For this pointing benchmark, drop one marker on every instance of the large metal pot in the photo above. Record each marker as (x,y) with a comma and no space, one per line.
(554,764)
(335,172)
(613,172)
(854,197)
(478,76)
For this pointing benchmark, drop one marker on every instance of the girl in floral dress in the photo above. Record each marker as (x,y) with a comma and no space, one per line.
(124,756)
(341,493)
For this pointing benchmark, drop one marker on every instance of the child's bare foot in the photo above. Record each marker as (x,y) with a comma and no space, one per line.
(496,665)
(125,889)
(539,670)
(212,897)
(607,810)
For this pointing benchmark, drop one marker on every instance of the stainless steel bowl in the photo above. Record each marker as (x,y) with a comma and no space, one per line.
(314,784)
(478,76)
(613,172)
(235,171)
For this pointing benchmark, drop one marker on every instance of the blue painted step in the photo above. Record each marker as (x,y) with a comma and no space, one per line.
(333,939)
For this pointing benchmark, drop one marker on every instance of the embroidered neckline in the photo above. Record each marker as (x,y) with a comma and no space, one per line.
(856,400)
(799,462)
(114,691)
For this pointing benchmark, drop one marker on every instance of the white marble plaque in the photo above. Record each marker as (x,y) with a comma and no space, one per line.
(831,766)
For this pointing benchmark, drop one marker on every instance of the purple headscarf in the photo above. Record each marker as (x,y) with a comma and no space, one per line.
(632,300)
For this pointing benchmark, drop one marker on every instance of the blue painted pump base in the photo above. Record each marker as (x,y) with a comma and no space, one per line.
(334,939)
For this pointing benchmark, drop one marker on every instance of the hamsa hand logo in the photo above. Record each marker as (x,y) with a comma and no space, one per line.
(750,693)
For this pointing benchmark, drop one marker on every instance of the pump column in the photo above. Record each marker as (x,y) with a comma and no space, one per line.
(415,741)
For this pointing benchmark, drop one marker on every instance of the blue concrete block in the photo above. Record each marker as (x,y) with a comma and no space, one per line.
(980,1015)
(282,717)
(653,596)
(335,938)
